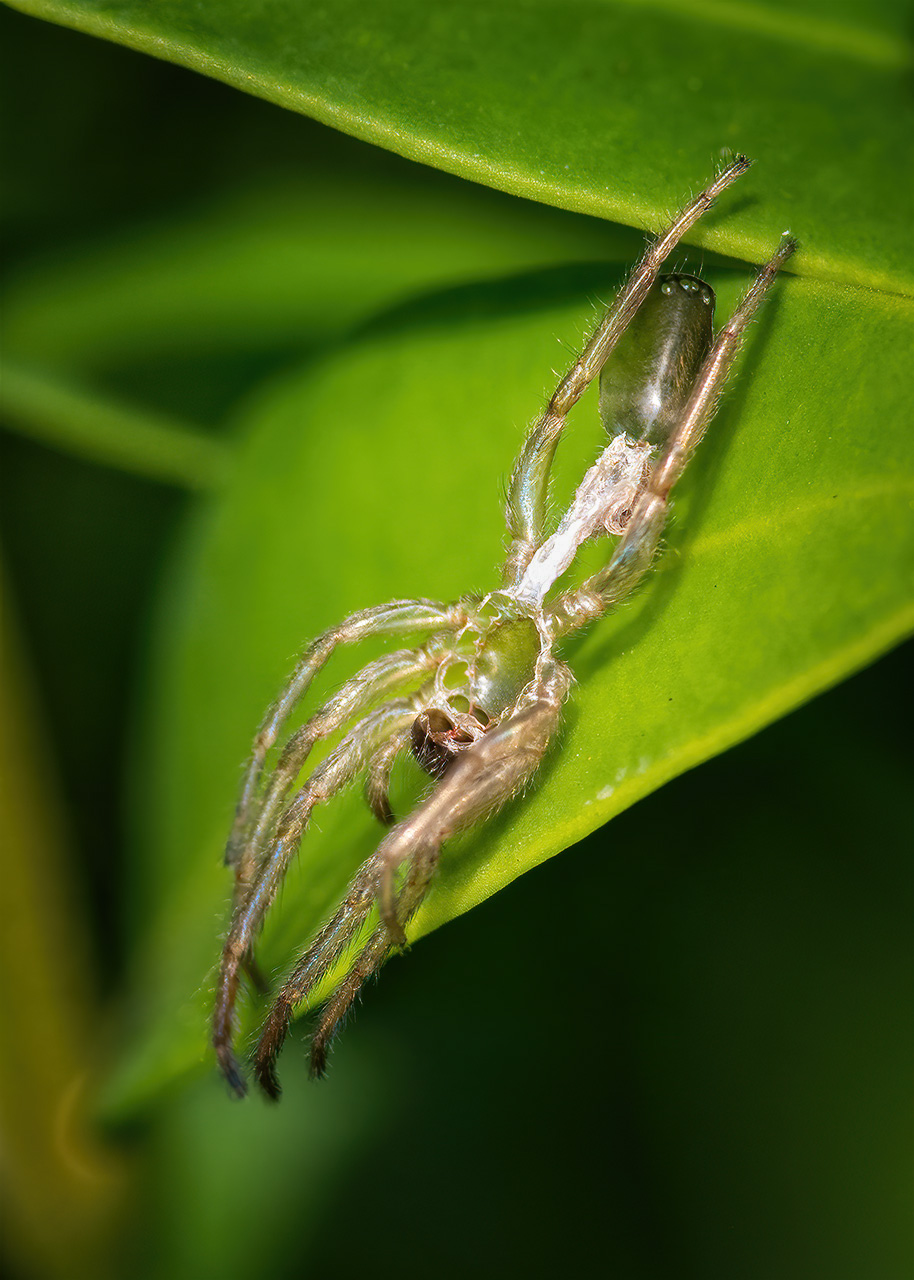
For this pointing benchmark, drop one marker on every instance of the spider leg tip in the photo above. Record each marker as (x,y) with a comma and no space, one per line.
(318,1066)
(265,1073)
(740,162)
(231,1071)
(269,1084)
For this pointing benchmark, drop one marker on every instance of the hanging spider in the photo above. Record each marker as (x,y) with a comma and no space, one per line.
(490,686)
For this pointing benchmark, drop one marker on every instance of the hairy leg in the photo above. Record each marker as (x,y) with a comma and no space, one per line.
(325,950)
(636,548)
(377,678)
(527,494)
(368,962)
(399,617)
(377,780)
(486,775)
(341,767)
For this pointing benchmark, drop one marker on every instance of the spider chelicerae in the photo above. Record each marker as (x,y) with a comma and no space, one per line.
(479,700)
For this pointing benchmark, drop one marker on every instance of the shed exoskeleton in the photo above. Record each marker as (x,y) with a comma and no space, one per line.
(487,684)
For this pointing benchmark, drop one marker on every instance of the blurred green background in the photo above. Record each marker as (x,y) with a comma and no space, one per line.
(713,1081)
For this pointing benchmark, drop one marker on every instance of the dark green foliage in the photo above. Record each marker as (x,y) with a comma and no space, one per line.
(682,1040)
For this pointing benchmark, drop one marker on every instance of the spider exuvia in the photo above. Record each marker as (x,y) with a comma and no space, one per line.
(478,701)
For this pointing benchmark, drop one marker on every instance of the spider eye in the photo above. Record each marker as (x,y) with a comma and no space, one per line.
(690,286)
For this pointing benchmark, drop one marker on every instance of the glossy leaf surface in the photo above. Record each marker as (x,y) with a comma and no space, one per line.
(788,564)
(611,108)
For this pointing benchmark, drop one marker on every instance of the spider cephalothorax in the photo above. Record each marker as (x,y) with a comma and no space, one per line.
(478,701)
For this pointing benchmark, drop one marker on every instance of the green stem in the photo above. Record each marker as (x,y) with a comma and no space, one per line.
(101,430)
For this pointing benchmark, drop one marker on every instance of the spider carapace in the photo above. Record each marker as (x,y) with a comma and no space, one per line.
(479,699)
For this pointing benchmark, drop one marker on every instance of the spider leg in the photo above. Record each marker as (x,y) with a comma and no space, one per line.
(334,1011)
(481,779)
(326,948)
(343,764)
(635,549)
(399,617)
(375,679)
(377,781)
(368,962)
(527,494)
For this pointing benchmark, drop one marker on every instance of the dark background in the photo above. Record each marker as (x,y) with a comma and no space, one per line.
(714,1082)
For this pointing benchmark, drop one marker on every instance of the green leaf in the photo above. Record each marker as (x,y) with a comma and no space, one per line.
(277,266)
(111,348)
(375,473)
(607,108)
(374,470)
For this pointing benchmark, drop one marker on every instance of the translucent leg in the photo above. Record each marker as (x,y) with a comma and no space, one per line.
(399,617)
(331,942)
(369,685)
(479,781)
(344,764)
(369,961)
(335,1010)
(527,494)
(635,550)
(377,781)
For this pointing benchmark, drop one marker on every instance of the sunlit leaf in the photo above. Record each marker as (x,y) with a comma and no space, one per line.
(377,474)
(612,108)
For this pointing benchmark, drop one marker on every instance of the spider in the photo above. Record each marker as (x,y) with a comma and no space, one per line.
(479,700)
